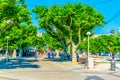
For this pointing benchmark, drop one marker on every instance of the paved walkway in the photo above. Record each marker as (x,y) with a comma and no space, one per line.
(29,69)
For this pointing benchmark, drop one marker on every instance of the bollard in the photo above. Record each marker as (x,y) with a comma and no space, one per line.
(113,65)
(90,63)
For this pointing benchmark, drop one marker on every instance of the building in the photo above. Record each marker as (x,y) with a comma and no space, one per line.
(39,34)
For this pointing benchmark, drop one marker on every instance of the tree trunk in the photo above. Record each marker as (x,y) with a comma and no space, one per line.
(14,54)
(74,57)
(57,53)
(64,49)
(119,56)
(69,49)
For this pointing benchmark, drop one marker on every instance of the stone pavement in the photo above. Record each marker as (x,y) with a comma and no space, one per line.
(44,69)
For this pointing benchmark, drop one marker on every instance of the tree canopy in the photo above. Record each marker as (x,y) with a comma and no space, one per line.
(13,12)
(15,22)
(71,22)
(102,43)
(22,35)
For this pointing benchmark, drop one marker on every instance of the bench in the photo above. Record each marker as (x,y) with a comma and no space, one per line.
(82,60)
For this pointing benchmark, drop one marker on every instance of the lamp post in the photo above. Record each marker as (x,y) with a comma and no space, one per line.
(90,59)
(7,37)
(88,33)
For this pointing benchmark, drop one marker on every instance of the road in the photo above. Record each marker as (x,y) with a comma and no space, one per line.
(44,69)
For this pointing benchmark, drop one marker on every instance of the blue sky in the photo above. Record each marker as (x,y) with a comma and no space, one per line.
(108,8)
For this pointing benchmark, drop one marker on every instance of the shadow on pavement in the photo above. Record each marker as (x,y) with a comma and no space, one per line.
(93,78)
(18,63)
(56,59)
(4,78)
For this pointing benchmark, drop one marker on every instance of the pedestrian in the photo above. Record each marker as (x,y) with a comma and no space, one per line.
(61,55)
(69,56)
(36,56)
(113,56)
(49,54)
(40,53)
(53,54)
(77,57)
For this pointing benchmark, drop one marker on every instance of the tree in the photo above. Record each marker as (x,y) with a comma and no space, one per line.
(46,41)
(51,42)
(118,41)
(112,31)
(20,36)
(49,21)
(12,13)
(102,43)
(72,21)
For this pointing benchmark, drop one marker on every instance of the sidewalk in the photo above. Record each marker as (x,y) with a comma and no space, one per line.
(6,79)
(99,67)
(25,69)
(101,70)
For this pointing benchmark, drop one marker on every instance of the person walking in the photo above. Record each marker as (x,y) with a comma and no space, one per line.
(61,55)
(36,56)
(49,53)
(53,54)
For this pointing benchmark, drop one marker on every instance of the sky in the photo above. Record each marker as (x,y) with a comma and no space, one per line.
(109,8)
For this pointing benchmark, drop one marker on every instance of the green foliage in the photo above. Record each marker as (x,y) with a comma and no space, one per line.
(67,20)
(13,13)
(102,43)
(15,22)
(19,35)
(51,42)
(46,41)
(39,42)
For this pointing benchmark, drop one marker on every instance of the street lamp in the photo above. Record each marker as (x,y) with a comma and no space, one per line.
(90,59)
(88,33)
(7,37)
